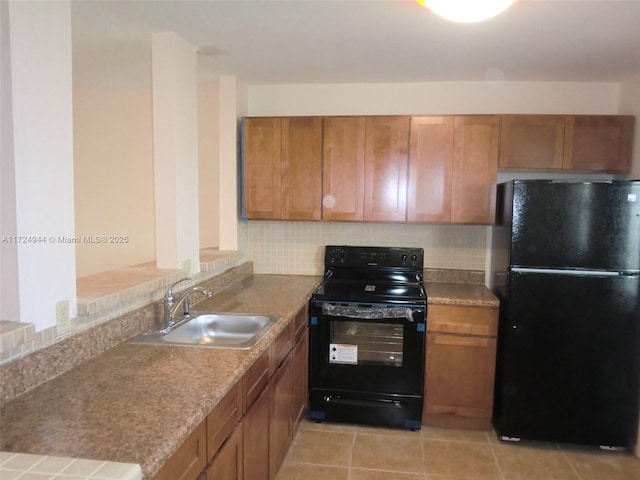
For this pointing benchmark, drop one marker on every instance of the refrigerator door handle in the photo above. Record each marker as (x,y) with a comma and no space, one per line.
(557,271)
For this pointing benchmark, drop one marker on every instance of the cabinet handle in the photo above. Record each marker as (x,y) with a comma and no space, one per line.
(461,328)
(462,341)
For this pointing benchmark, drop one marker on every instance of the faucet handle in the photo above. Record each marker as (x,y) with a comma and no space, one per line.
(169,294)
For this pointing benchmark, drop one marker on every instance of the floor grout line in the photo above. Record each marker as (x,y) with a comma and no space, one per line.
(500,455)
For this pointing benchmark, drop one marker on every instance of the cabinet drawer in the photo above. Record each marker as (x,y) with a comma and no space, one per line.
(255,380)
(280,348)
(223,419)
(463,320)
(189,460)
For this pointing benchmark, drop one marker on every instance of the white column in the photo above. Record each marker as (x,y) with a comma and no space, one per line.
(175,151)
(37,224)
(229,172)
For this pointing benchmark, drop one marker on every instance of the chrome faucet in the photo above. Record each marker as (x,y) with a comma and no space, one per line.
(171,306)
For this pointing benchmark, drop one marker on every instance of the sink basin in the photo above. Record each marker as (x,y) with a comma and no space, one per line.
(214,330)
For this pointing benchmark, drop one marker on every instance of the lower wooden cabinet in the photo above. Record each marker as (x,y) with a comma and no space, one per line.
(189,460)
(256,438)
(460,366)
(299,379)
(280,417)
(228,463)
(272,395)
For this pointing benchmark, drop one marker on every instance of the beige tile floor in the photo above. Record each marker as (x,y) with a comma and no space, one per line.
(347,452)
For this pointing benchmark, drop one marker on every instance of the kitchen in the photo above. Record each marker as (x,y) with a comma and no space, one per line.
(268,244)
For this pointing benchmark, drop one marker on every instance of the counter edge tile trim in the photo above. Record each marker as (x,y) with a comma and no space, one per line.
(19,463)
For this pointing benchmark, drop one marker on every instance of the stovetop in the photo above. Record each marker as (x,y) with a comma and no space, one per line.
(372,275)
(355,291)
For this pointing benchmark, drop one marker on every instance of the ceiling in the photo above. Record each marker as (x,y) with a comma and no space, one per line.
(358,41)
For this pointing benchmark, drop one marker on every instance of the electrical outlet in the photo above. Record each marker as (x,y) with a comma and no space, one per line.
(62,317)
(186,265)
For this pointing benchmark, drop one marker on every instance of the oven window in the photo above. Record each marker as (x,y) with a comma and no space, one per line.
(368,342)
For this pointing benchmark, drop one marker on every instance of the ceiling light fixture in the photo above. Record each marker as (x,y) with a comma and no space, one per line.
(466,11)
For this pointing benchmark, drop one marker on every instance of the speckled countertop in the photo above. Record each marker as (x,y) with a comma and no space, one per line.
(469,294)
(138,403)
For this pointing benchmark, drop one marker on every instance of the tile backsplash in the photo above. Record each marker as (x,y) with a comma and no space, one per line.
(298,247)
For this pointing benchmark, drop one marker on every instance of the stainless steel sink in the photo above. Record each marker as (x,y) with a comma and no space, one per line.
(213,330)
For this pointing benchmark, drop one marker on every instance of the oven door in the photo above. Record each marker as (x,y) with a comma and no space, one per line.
(367,347)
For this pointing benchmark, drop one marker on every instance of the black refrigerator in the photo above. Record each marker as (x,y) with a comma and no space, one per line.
(567,264)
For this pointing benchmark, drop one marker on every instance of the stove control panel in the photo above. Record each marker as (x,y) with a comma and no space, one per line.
(397,257)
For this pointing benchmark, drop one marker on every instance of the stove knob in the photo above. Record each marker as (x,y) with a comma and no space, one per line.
(404,258)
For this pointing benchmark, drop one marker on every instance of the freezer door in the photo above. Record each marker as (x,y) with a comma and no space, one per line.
(567,368)
(591,226)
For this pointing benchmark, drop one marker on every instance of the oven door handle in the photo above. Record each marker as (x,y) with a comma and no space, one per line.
(370,313)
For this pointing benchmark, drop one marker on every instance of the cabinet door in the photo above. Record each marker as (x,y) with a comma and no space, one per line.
(301,168)
(532,142)
(385,167)
(255,425)
(430,167)
(262,168)
(280,417)
(475,169)
(343,168)
(459,375)
(228,463)
(601,143)
(299,378)
(189,460)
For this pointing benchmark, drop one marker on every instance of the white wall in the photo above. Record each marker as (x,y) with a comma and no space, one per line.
(630,105)
(175,151)
(41,190)
(434,98)
(9,304)
(208,163)
(113,177)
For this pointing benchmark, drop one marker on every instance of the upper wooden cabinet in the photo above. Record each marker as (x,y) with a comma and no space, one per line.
(601,143)
(453,167)
(475,169)
(282,168)
(430,169)
(365,168)
(422,169)
(385,168)
(262,157)
(532,141)
(343,168)
(585,143)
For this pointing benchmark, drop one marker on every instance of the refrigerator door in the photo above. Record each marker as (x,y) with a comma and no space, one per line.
(590,226)
(567,368)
